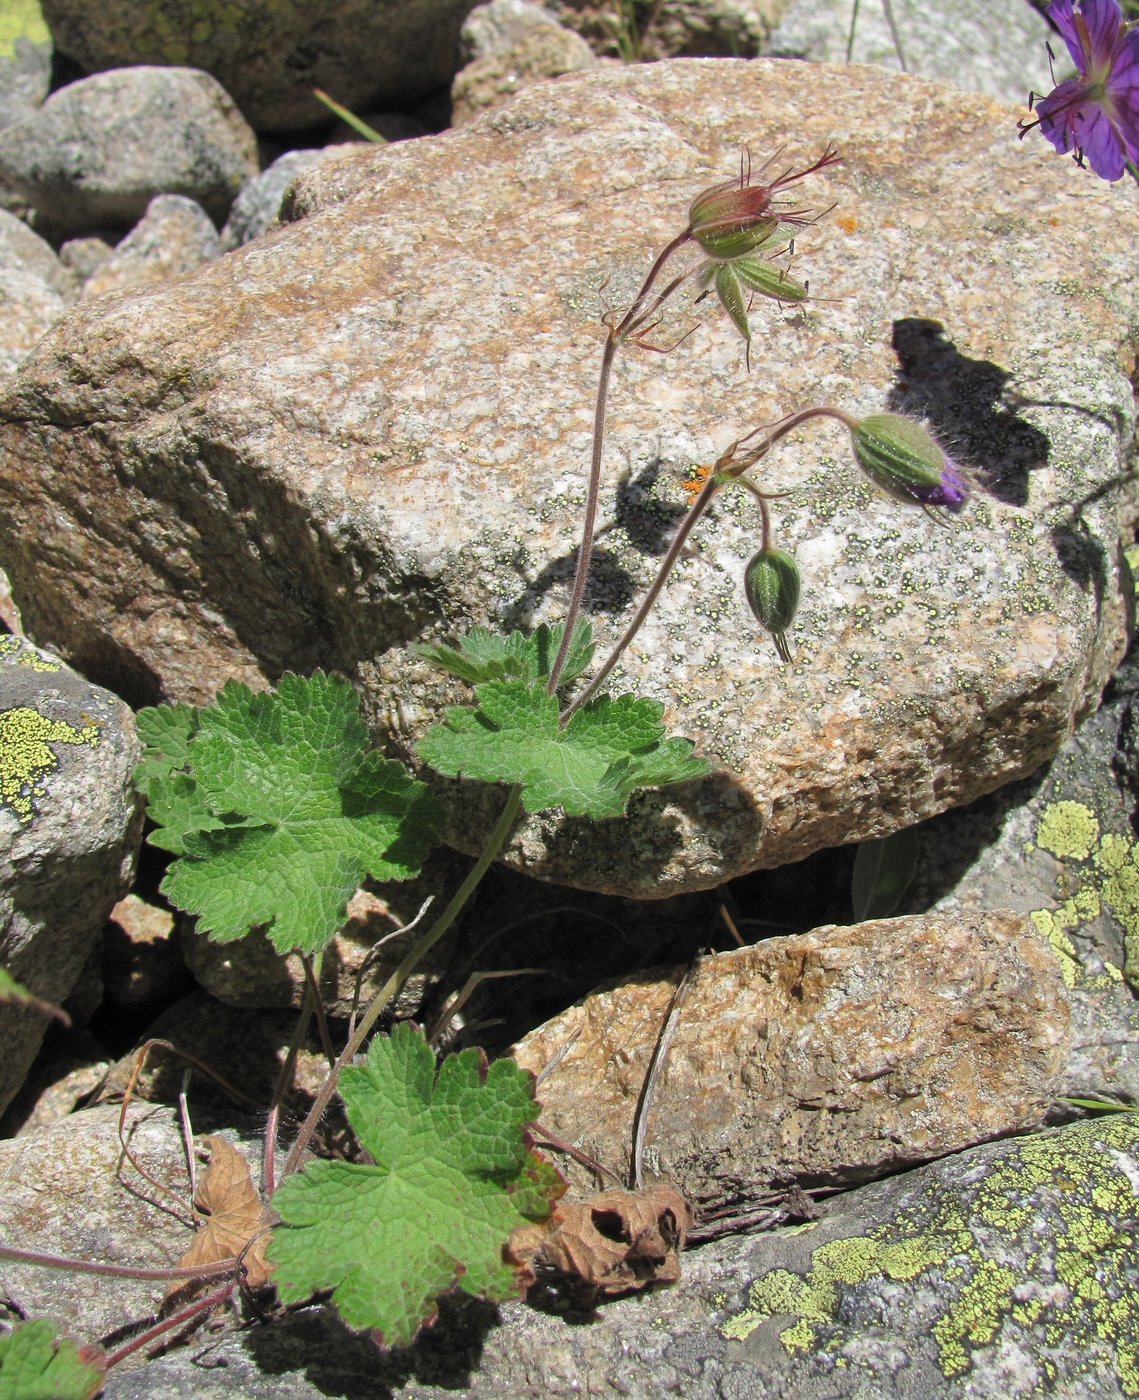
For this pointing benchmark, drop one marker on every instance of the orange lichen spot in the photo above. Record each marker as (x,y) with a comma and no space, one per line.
(848,223)
(694,480)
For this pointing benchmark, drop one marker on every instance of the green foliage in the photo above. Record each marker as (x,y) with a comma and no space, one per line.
(453,1175)
(487,656)
(883,870)
(589,767)
(36,1365)
(277,810)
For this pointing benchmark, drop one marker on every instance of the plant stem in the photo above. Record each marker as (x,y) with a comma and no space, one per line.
(494,844)
(615,338)
(92,1266)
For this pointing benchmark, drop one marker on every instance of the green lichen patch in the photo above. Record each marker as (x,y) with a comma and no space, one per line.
(26,759)
(1039,1253)
(21,19)
(1068,830)
(14,650)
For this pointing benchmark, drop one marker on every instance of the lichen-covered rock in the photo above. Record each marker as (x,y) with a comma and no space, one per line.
(69,831)
(257,206)
(1000,1273)
(270,54)
(35,289)
(992,46)
(98,150)
(371,428)
(1060,847)
(824,1058)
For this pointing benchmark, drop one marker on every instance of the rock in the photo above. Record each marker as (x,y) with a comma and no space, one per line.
(25,79)
(364,53)
(392,126)
(541,51)
(83,256)
(673,29)
(321,451)
(821,1059)
(35,289)
(1060,848)
(97,151)
(257,206)
(142,954)
(992,46)
(495,27)
(63,1191)
(1004,1271)
(69,831)
(173,238)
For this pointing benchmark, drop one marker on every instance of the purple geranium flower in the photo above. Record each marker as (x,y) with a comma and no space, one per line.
(1095,116)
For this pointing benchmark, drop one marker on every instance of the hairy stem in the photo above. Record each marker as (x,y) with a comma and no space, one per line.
(91,1266)
(618,334)
(383,998)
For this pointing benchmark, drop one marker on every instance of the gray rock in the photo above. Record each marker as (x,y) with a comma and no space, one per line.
(172,239)
(539,52)
(822,1059)
(257,206)
(673,28)
(992,46)
(332,445)
(69,832)
(364,53)
(25,79)
(494,28)
(1060,848)
(35,289)
(83,256)
(97,151)
(64,1189)
(1002,1272)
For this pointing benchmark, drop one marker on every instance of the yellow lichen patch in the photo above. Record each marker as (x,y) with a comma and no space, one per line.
(1042,1246)
(25,758)
(1050,928)
(1068,830)
(21,19)
(13,649)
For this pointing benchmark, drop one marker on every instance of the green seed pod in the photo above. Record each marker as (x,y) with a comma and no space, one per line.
(907,463)
(771,582)
(769,280)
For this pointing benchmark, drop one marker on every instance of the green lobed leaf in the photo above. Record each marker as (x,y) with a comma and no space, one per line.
(883,871)
(487,656)
(608,749)
(165,731)
(453,1175)
(36,1365)
(284,813)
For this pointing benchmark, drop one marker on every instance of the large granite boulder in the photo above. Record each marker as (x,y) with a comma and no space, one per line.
(371,428)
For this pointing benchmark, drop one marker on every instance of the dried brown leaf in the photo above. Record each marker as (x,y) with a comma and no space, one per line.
(232,1215)
(615,1242)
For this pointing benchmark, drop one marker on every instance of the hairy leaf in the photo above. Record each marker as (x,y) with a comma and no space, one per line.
(609,748)
(453,1175)
(282,814)
(487,656)
(165,731)
(35,1364)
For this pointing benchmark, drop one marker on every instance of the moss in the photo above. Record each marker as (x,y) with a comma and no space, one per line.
(1077,1292)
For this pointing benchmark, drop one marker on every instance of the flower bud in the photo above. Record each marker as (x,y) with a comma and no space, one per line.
(771,582)
(906,462)
(729,220)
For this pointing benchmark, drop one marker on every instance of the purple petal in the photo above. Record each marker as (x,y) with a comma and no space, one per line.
(1100,143)
(952,491)
(1104,23)
(1060,13)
